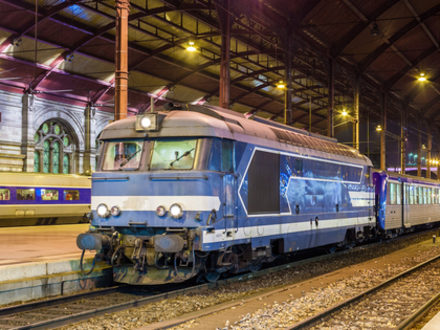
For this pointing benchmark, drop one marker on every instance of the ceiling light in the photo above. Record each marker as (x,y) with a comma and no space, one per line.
(344,113)
(422,77)
(379,128)
(191,47)
(281,85)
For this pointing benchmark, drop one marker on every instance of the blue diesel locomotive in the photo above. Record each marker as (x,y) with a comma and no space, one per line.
(200,191)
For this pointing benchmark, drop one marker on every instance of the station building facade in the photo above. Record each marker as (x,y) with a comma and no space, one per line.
(41,135)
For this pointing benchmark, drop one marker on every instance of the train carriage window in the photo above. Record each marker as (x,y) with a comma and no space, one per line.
(227,156)
(122,155)
(425,195)
(406,195)
(392,189)
(411,195)
(49,194)
(173,154)
(428,195)
(398,193)
(71,195)
(5,194)
(26,194)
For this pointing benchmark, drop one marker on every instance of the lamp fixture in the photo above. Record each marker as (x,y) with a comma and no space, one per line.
(281,85)
(191,47)
(379,128)
(344,113)
(421,77)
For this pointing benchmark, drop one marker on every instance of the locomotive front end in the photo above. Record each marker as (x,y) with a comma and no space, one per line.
(151,198)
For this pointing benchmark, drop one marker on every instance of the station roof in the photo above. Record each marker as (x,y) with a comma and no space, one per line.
(64,50)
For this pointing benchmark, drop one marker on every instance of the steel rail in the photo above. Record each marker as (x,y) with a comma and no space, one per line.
(318,317)
(419,314)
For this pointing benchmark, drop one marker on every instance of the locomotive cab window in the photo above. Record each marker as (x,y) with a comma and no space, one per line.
(173,154)
(122,155)
(5,195)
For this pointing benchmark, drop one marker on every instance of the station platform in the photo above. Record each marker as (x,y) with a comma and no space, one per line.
(26,244)
(42,261)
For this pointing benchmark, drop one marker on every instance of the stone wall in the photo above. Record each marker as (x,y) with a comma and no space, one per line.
(23,114)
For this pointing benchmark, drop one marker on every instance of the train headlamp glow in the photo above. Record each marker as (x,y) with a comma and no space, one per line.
(102,210)
(147,122)
(176,211)
(161,211)
(115,211)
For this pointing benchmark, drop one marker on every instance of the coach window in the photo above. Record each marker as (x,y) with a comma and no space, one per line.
(411,195)
(5,195)
(392,189)
(71,195)
(428,195)
(49,194)
(25,194)
(54,150)
(398,193)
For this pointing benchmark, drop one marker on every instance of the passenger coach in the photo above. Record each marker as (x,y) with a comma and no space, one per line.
(42,199)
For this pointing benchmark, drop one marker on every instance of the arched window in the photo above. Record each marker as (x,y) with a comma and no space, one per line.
(54,150)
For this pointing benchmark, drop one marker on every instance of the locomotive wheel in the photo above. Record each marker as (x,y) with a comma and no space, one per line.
(212,277)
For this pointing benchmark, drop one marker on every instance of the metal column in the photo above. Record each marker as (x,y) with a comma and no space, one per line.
(288,75)
(331,98)
(383,137)
(402,141)
(225,79)
(419,151)
(356,114)
(428,155)
(87,139)
(121,59)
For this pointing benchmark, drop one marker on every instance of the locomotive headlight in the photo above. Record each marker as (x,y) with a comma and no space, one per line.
(176,211)
(161,211)
(102,210)
(115,211)
(147,122)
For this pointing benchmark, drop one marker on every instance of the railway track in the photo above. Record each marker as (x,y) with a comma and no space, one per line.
(70,309)
(386,305)
(67,310)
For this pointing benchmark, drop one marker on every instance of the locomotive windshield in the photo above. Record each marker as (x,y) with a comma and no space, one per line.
(122,155)
(173,154)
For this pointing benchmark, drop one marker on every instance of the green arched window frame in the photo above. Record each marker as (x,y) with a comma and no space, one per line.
(54,149)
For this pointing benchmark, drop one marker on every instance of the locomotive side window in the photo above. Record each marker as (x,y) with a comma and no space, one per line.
(71,195)
(264,183)
(124,155)
(221,155)
(5,194)
(173,154)
(227,156)
(49,194)
(25,194)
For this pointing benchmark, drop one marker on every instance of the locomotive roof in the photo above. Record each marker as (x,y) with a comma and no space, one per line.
(194,120)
